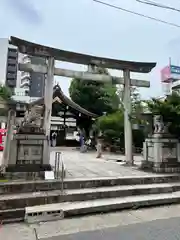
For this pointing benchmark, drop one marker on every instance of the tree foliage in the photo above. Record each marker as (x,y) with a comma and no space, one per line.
(137,103)
(112,125)
(96,97)
(112,128)
(169,109)
(5,96)
(5,92)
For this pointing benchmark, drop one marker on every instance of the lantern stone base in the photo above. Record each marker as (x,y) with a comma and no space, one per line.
(26,171)
(26,159)
(161,154)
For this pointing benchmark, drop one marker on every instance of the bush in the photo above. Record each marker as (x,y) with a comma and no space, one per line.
(169,109)
(112,128)
(5,92)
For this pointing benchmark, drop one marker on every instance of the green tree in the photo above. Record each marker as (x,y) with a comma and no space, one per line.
(169,109)
(5,92)
(5,96)
(112,125)
(137,103)
(96,97)
(112,128)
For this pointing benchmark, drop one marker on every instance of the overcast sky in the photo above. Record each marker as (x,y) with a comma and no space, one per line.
(87,27)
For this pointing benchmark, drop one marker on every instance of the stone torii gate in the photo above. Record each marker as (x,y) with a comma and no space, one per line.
(52,54)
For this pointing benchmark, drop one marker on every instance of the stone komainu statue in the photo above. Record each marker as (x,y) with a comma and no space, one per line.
(159,126)
(33,116)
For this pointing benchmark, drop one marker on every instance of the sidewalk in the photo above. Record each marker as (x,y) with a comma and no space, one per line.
(97,222)
(88,223)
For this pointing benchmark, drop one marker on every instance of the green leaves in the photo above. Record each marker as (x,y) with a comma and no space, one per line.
(95,97)
(5,96)
(5,92)
(112,126)
(111,121)
(169,109)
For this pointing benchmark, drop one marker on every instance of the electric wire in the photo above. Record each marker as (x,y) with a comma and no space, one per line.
(136,13)
(155,4)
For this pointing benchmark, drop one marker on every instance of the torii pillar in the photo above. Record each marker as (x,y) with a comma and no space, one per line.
(48,95)
(127,118)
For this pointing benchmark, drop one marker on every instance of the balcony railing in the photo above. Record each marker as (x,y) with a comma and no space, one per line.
(12,61)
(25,82)
(25,77)
(11,68)
(25,74)
(25,85)
(13,53)
(11,83)
(11,76)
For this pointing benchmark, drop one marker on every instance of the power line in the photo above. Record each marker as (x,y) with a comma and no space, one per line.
(138,14)
(155,4)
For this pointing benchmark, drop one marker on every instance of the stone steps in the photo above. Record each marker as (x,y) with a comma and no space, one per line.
(16,187)
(12,215)
(15,197)
(16,201)
(60,210)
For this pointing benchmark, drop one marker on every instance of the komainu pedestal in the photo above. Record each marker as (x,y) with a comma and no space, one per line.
(26,159)
(29,151)
(161,151)
(161,154)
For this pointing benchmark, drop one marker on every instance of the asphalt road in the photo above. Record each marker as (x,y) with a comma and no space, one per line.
(168,229)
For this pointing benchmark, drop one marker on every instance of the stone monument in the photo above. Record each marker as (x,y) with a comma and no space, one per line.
(26,158)
(161,151)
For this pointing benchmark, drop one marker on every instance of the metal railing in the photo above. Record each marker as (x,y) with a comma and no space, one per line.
(59,171)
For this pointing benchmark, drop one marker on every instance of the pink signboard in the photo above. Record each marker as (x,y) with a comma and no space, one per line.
(166,74)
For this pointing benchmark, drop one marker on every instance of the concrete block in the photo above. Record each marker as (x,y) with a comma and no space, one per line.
(104,205)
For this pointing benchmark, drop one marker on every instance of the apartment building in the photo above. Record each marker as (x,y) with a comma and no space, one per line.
(8,64)
(33,83)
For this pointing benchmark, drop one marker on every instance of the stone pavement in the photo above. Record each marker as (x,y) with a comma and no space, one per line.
(86,165)
(140,222)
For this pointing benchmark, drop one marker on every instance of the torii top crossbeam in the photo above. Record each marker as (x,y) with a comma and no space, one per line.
(34,49)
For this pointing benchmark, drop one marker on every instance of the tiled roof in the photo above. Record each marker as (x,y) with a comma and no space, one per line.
(59,96)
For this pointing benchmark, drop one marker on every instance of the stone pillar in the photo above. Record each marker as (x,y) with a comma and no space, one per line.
(157,146)
(127,120)
(48,95)
(9,136)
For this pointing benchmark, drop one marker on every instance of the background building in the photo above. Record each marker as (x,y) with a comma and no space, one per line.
(170,78)
(26,87)
(32,83)
(8,64)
